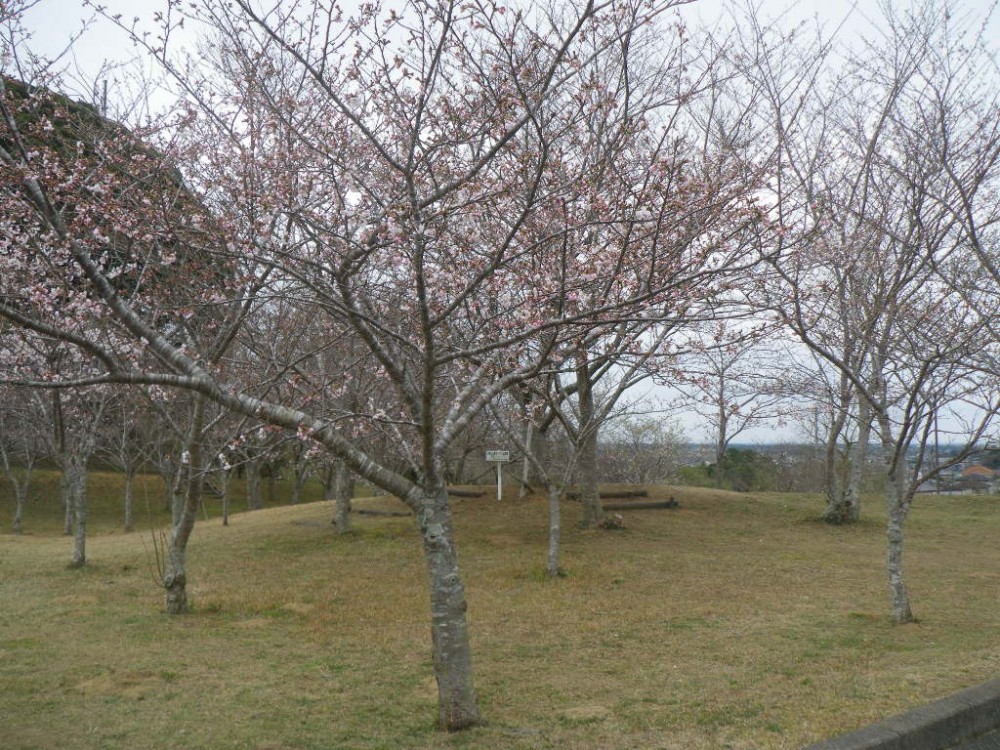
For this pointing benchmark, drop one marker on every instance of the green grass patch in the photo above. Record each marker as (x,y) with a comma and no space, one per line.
(726,623)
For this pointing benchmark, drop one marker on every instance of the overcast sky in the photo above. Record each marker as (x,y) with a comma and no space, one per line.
(53,22)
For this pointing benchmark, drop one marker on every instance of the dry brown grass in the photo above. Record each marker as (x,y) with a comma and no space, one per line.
(734,622)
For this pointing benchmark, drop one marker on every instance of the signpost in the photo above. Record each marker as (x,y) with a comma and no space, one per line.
(499,458)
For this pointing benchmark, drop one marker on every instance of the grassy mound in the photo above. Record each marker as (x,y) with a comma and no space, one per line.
(734,622)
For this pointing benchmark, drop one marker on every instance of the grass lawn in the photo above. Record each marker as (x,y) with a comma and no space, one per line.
(734,622)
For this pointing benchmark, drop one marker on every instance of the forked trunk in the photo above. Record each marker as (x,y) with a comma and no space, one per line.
(859,455)
(452,653)
(175,573)
(836,511)
(175,565)
(555,495)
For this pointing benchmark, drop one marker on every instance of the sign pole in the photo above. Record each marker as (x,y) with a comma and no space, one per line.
(499,458)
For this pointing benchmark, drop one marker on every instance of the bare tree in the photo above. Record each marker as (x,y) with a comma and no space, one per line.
(21,445)
(876,206)
(733,384)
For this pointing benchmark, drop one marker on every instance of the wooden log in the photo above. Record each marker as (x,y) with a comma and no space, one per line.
(612,494)
(620,494)
(373,512)
(644,505)
(466,493)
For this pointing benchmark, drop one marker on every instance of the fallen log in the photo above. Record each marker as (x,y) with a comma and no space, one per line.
(373,512)
(643,505)
(612,494)
(619,494)
(466,493)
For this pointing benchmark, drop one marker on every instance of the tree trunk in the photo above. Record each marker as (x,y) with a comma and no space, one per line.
(226,476)
(21,485)
(272,481)
(177,495)
(721,438)
(253,485)
(593,513)
(129,495)
(165,468)
(301,471)
(836,511)
(67,497)
(76,476)
(529,431)
(20,499)
(175,570)
(859,456)
(901,612)
(555,495)
(452,653)
(327,477)
(343,493)
(896,506)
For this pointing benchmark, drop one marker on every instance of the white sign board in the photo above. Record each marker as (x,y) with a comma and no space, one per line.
(498,457)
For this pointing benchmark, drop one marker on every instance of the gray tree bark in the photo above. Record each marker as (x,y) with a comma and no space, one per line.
(20,500)
(253,485)
(897,506)
(555,495)
(67,498)
(343,490)
(859,456)
(75,472)
(227,475)
(129,497)
(590,496)
(529,431)
(20,480)
(452,654)
(899,597)
(175,565)
(836,509)
(721,435)
(301,475)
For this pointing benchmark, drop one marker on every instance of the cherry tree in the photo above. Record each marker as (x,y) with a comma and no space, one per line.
(871,288)
(733,384)
(427,181)
(21,446)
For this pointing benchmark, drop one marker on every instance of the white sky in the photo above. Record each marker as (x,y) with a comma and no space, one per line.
(53,22)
